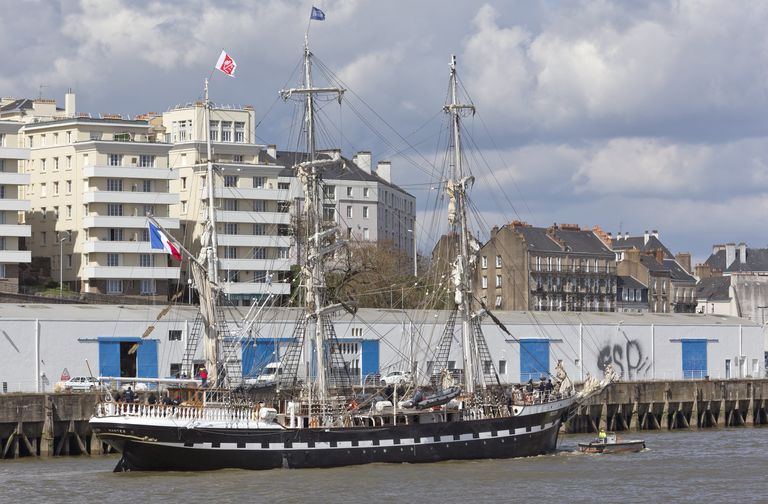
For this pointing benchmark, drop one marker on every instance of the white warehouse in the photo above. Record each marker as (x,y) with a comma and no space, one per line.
(39,342)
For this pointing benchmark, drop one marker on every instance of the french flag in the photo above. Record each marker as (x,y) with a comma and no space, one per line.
(158,240)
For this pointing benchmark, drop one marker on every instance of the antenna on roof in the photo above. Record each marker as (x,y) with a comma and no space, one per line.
(40,91)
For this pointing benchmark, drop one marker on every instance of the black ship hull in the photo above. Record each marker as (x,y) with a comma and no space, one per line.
(148,447)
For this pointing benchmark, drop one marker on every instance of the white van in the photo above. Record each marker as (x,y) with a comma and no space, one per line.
(268,375)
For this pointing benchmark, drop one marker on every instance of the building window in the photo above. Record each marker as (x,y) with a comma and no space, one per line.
(115,209)
(43,190)
(259,253)
(230,180)
(226,131)
(214,129)
(366,192)
(230,252)
(183,182)
(498,280)
(329,212)
(259,229)
(68,164)
(349,211)
(365,212)
(498,302)
(240,132)
(86,160)
(146,260)
(230,228)
(231,204)
(114,286)
(498,261)
(366,234)
(146,185)
(484,262)
(174,335)
(114,159)
(484,282)
(502,367)
(259,182)
(147,287)
(69,212)
(146,161)
(69,186)
(349,192)
(113,260)
(55,164)
(114,184)
(283,253)
(43,164)
(55,188)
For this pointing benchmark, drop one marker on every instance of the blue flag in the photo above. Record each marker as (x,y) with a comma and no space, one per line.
(317,14)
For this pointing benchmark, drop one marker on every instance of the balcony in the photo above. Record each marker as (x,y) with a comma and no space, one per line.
(15,256)
(15,230)
(130,272)
(11,178)
(255,288)
(15,205)
(119,247)
(13,153)
(113,221)
(229,240)
(251,193)
(253,217)
(255,264)
(131,197)
(130,172)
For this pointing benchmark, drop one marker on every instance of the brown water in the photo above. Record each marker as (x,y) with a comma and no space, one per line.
(700,466)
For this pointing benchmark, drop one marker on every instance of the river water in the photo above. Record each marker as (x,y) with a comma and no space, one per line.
(729,465)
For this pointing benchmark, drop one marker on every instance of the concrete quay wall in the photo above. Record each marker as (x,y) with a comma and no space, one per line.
(668,405)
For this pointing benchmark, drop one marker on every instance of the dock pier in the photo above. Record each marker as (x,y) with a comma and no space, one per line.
(670,405)
(47,425)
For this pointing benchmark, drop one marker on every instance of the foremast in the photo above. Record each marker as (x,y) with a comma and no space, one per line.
(309,174)
(457,216)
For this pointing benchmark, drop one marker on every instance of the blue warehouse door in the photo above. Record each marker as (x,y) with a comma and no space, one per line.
(109,357)
(694,358)
(146,359)
(534,359)
(370,357)
(257,354)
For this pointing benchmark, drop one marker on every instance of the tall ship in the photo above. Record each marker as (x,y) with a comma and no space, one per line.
(320,419)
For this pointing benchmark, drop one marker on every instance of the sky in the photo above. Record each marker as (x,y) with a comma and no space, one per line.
(628,115)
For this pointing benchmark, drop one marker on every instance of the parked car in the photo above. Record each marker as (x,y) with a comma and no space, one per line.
(268,375)
(396,378)
(83,383)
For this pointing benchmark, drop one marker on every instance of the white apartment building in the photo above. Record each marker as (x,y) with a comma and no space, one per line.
(252,209)
(11,179)
(364,203)
(91,184)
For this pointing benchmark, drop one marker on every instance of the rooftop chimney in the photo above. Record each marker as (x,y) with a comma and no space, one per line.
(272,151)
(703,271)
(384,170)
(684,259)
(645,237)
(494,230)
(363,160)
(632,255)
(655,234)
(730,254)
(659,256)
(743,253)
(69,103)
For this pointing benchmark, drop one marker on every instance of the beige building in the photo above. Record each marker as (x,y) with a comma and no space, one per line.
(11,205)
(252,200)
(560,268)
(92,182)
(40,109)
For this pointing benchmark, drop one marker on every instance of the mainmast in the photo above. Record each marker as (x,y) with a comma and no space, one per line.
(310,175)
(209,292)
(457,188)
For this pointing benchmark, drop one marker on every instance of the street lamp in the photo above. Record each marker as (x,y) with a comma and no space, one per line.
(61,263)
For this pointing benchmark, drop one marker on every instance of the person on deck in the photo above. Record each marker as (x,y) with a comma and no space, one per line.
(602,436)
(203,377)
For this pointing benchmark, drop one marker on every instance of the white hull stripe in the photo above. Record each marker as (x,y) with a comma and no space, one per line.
(341,445)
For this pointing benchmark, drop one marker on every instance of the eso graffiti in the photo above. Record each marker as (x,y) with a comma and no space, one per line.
(627,357)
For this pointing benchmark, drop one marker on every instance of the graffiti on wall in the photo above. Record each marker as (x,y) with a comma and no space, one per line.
(628,359)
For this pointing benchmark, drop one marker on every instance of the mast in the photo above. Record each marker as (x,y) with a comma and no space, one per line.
(310,175)
(462,277)
(211,347)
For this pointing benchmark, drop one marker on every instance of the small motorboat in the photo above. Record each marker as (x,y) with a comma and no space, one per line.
(612,444)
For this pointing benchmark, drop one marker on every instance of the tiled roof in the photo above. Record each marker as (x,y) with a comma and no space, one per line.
(639,243)
(757,260)
(677,272)
(714,289)
(564,240)
(347,170)
(652,264)
(629,282)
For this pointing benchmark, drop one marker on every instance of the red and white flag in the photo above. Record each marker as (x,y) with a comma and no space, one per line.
(226,64)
